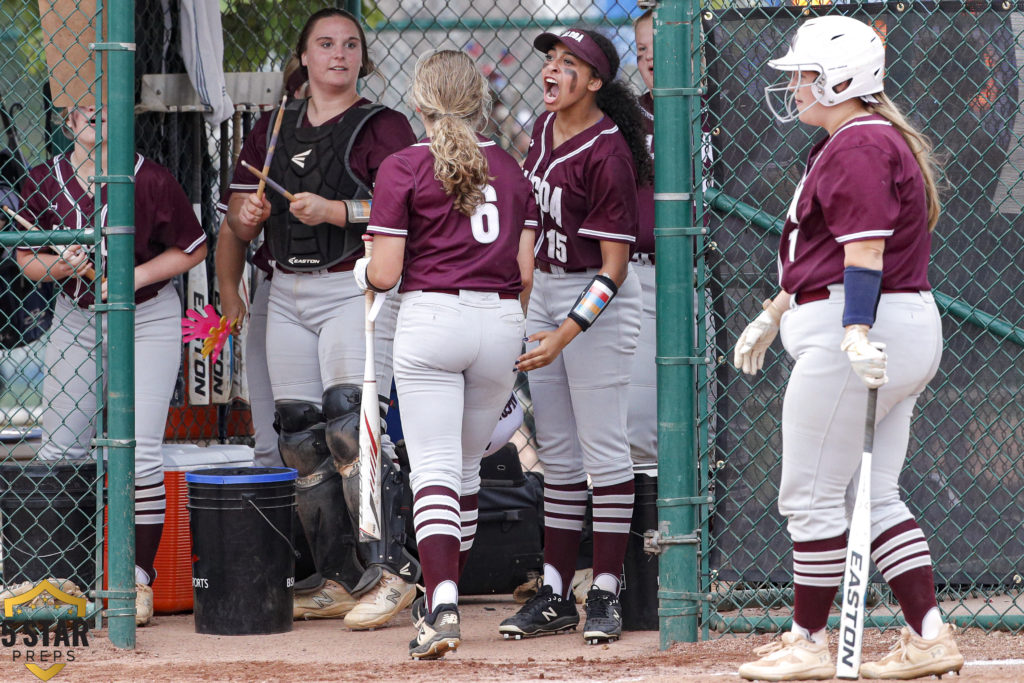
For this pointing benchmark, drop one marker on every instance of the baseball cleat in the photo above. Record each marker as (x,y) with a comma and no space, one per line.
(544,614)
(914,657)
(143,604)
(604,617)
(376,608)
(790,658)
(438,633)
(326,600)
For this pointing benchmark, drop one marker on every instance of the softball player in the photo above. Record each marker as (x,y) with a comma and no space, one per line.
(853,260)
(328,152)
(584,159)
(168,241)
(448,217)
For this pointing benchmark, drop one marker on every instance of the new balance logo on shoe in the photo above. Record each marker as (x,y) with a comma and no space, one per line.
(300,158)
(394,595)
(549,613)
(322,600)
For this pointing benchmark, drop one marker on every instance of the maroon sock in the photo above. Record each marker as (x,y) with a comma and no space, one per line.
(147,541)
(468,512)
(613,515)
(437,536)
(818,568)
(565,505)
(901,555)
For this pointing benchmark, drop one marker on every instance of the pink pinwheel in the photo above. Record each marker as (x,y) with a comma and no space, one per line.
(214,330)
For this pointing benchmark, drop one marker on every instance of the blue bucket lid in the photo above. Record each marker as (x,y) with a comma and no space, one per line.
(242,475)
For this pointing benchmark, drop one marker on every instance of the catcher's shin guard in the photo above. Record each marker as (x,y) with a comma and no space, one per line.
(391,550)
(319,495)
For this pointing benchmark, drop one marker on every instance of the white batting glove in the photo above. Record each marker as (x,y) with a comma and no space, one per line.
(756,338)
(867,358)
(359,273)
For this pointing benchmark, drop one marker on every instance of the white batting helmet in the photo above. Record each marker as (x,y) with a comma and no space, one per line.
(839,49)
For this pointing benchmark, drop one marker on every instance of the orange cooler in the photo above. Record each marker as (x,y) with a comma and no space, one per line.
(172,590)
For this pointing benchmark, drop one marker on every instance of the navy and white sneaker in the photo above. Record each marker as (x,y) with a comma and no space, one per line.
(543,614)
(604,617)
(437,632)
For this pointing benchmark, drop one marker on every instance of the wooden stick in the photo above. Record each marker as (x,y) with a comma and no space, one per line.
(271,146)
(271,183)
(89,273)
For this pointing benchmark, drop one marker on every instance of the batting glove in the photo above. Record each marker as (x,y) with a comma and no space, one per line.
(867,358)
(359,273)
(756,338)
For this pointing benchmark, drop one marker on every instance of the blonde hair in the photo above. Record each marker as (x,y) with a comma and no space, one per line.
(920,145)
(453,95)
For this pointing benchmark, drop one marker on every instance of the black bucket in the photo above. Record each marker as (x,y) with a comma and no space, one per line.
(243,564)
(49,521)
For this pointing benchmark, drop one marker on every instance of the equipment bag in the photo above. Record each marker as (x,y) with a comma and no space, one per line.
(510,527)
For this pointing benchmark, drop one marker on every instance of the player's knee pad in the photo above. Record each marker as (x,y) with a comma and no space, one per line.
(341,414)
(300,435)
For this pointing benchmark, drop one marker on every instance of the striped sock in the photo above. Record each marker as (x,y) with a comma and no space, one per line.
(150,505)
(565,505)
(613,515)
(438,533)
(468,512)
(901,555)
(818,568)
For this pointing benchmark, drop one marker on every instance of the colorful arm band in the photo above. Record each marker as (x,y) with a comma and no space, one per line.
(358,210)
(593,300)
(862,288)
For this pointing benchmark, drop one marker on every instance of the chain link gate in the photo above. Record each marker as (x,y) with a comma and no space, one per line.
(60,491)
(955,68)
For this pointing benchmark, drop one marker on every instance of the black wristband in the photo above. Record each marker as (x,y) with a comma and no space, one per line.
(593,300)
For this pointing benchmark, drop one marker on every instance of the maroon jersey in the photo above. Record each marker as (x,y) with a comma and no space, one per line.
(445,249)
(861,183)
(586,191)
(164,218)
(645,193)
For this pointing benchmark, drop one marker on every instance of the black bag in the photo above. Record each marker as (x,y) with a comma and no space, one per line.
(509,540)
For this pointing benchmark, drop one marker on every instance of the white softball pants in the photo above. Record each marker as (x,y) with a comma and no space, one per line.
(71,383)
(454,369)
(581,399)
(315,335)
(643,385)
(824,409)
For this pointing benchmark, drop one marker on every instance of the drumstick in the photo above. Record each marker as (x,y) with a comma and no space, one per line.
(89,273)
(269,181)
(271,146)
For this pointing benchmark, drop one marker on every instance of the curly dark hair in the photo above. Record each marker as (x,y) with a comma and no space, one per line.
(618,101)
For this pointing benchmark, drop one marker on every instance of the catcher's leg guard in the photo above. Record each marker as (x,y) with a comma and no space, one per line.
(396,507)
(341,410)
(319,496)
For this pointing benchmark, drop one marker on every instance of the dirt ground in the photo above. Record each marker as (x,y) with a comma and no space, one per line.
(170,650)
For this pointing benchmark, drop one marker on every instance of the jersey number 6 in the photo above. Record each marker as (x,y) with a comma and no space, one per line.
(485,219)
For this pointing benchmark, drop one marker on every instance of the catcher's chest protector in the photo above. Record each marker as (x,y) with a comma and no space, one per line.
(315,159)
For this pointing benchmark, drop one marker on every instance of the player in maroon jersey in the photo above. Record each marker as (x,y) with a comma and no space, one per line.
(448,218)
(168,241)
(587,153)
(328,152)
(853,261)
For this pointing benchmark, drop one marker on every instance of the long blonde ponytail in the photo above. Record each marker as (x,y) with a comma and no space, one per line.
(920,145)
(453,95)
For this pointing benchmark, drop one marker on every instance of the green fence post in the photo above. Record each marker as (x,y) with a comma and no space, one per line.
(676,103)
(120,235)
